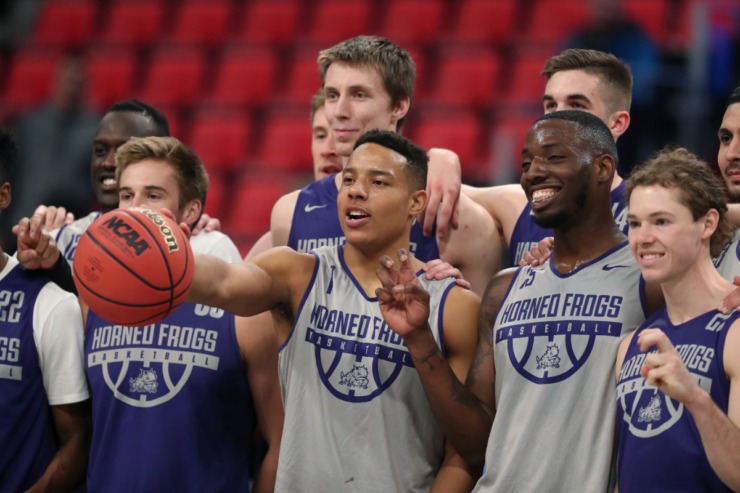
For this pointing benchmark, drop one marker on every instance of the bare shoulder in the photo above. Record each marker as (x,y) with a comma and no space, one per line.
(503,202)
(732,351)
(622,351)
(281,218)
(284,259)
(263,244)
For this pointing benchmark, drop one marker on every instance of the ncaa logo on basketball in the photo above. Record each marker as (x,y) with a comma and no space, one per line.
(149,365)
(358,356)
(119,227)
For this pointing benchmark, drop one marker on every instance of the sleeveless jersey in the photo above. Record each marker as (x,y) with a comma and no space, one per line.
(316,223)
(527,233)
(555,342)
(728,262)
(26,430)
(657,435)
(170,404)
(356,416)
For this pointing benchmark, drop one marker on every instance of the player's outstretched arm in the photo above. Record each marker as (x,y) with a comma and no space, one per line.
(720,432)
(259,347)
(281,218)
(464,411)
(504,203)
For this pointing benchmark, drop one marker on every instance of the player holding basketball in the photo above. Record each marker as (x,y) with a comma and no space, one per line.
(171,409)
(678,388)
(548,334)
(355,413)
(44,407)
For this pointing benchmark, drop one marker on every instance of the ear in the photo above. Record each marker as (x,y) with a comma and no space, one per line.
(605,168)
(5,195)
(399,111)
(191,212)
(417,202)
(710,223)
(619,122)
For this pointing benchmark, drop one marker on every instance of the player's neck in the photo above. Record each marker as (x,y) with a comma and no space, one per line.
(696,291)
(582,243)
(363,262)
(616,181)
(3,260)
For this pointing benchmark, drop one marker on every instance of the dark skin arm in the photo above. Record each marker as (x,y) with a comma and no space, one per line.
(465,412)
(68,466)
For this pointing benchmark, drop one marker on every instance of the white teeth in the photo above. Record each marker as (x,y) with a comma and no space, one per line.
(650,256)
(356,215)
(109,181)
(540,195)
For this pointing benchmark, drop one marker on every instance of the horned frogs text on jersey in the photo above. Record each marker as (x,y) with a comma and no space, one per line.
(171,404)
(657,435)
(356,416)
(555,342)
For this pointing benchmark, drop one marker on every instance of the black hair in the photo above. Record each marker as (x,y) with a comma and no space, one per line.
(415,156)
(8,153)
(734,97)
(159,121)
(590,128)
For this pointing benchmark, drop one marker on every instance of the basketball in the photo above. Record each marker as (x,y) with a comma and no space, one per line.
(133,266)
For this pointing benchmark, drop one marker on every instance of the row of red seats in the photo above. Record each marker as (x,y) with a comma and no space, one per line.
(252,77)
(280,22)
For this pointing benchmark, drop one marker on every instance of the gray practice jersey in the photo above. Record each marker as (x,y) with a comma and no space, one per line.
(728,262)
(555,344)
(356,416)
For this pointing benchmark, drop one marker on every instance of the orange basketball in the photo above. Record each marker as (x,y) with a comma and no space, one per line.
(133,266)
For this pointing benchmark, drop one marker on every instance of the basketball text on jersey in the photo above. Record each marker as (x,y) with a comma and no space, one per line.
(148,365)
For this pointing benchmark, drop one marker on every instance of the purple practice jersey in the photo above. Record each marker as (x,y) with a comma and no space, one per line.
(170,404)
(26,429)
(316,223)
(527,233)
(659,445)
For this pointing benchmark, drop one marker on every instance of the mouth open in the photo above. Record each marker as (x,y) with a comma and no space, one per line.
(543,196)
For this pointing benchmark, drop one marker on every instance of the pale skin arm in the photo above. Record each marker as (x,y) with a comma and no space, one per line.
(281,218)
(259,348)
(474,247)
(465,412)
(206,223)
(68,466)
(504,203)
(263,244)
(443,186)
(719,432)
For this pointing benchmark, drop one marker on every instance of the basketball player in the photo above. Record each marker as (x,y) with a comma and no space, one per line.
(548,334)
(577,79)
(171,409)
(44,407)
(678,375)
(368,83)
(355,413)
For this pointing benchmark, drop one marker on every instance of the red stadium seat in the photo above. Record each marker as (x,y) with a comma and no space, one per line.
(32,74)
(286,141)
(413,21)
(201,21)
(174,75)
(110,74)
(303,78)
(64,23)
(134,22)
(244,76)
(216,198)
(458,131)
(221,137)
(554,21)
(484,21)
(467,77)
(651,15)
(337,20)
(251,204)
(525,85)
(270,21)
(508,136)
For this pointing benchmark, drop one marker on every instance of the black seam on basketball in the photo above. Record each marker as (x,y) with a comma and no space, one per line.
(113,257)
(114,301)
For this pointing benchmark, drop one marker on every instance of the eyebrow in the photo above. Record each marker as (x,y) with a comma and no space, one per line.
(570,97)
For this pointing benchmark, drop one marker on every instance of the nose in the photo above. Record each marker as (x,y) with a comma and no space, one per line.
(536,170)
(328,150)
(643,233)
(357,190)
(733,149)
(109,161)
(341,107)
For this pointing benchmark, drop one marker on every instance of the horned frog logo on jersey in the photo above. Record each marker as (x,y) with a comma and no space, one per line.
(148,366)
(355,378)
